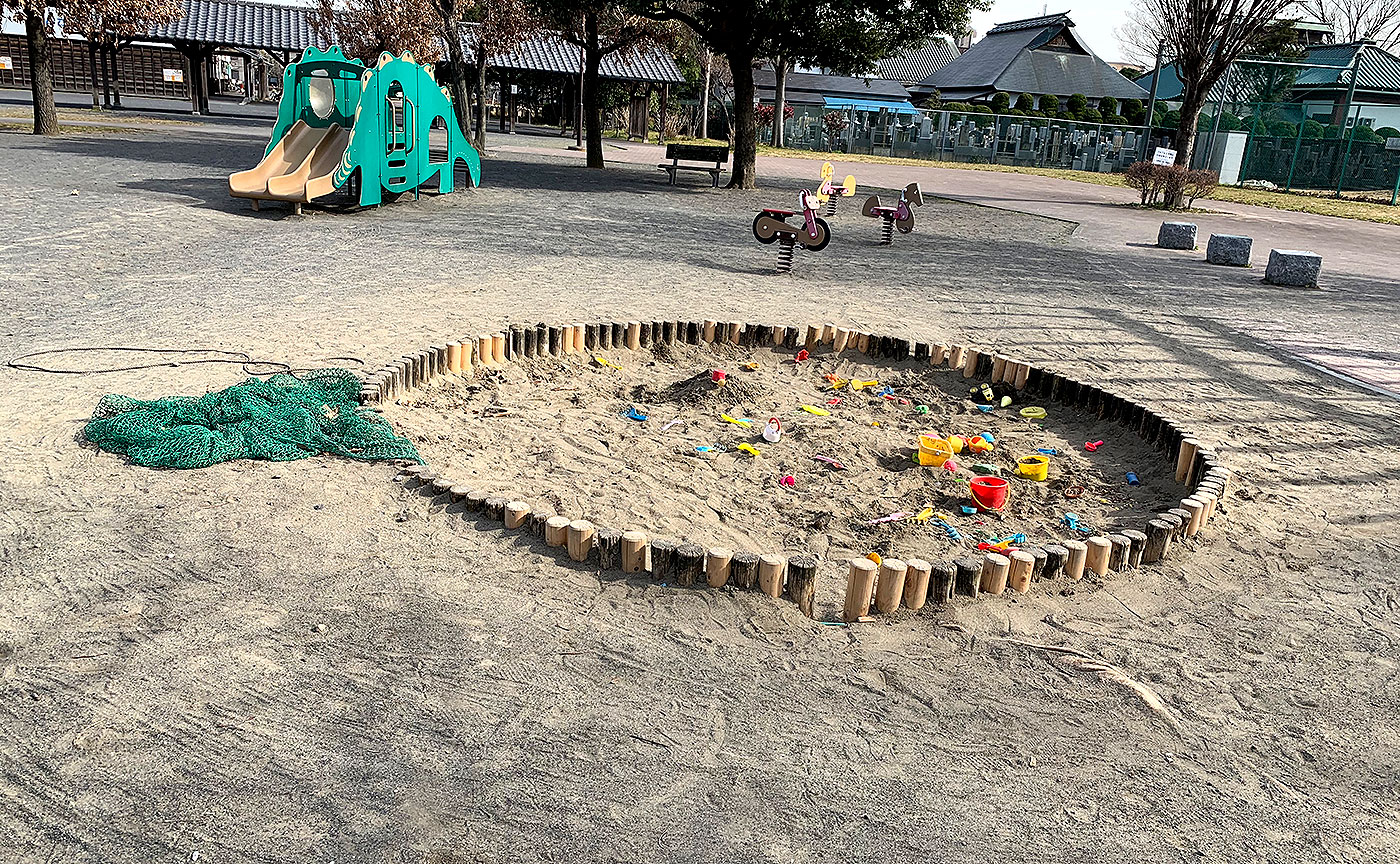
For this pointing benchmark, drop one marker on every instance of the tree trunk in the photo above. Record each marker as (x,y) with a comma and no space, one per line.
(743,171)
(457,74)
(705,97)
(1185,139)
(40,75)
(92,72)
(478,135)
(592,114)
(106,77)
(779,98)
(116,80)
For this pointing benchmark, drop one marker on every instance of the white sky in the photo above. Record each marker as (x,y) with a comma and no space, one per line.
(1094,19)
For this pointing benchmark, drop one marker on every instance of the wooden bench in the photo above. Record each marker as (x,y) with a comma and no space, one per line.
(695,153)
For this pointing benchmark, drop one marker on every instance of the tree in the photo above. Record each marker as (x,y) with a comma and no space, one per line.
(497,27)
(843,35)
(450,13)
(110,26)
(1355,20)
(598,28)
(365,29)
(1205,37)
(37,16)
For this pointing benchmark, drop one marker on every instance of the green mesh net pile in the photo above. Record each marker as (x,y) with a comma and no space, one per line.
(281,418)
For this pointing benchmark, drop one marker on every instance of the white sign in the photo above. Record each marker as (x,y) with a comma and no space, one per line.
(174,76)
(1390,143)
(6,65)
(1163,156)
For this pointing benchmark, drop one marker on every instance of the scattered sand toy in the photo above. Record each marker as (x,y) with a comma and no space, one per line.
(828,193)
(1043,503)
(900,216)
(772,225)
(342,125)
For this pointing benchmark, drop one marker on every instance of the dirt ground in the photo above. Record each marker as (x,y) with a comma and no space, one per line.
(302,662)
(567,443)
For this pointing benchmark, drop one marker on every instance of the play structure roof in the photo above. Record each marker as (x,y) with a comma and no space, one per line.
(1035,55)
(806,88)
(919,62)
(549,52)
(239,24)
(1378,72)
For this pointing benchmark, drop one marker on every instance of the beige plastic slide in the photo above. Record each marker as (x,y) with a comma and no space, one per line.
(298,169)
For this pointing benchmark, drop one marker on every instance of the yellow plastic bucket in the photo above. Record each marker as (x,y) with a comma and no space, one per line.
(933,451)
(1033,467)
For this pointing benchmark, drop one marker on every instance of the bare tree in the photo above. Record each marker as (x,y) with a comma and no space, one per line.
(497,27)
(367,28)
(37,16)
(1204,37)
(109,26)
(1354,20)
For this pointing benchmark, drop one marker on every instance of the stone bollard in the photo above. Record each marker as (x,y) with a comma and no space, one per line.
(1230,249)
(1177,235)
(1293,268)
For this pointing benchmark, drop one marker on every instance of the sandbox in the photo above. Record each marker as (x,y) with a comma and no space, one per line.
(641,447)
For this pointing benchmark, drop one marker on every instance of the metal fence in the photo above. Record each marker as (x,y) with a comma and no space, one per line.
(1257,144)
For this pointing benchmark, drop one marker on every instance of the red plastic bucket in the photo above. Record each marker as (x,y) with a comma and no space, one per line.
(988,493)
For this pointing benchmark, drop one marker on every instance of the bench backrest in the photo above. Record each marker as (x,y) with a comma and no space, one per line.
(698,152)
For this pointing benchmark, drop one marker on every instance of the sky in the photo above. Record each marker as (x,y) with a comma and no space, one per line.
(1095,20)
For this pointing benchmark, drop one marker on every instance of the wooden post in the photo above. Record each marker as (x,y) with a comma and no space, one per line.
(1137,543)
(528,346)
(475,501)
(955,357)
(690,564)
(890,588)
(579,339)
(1023,373)
(969,577)
(1097,557)
(483,350)
(608,541)
(498,349)
(590,337)
(916,581)
(1183,519)
(495,507)
(969,365)
(516,511)
(944,576)
(839,341)
(1195,507)
(937,356)
(733,335)
(998,368)
(860,582)
(862,342)
(814,333)
(454,357)
(802,582)
(1055,557)
(663,559)
(1118,554)
(717,566)
(1041,559)
(1074,563)
(566,338)
(1159,539)
(634,552)
(517,342)
(537,521)
(743,570)
(556,530)
(1018,575)
(1185,457)
(634,335)
(828,334)
(770,574)
(995,568)
(580,539)
(708,332)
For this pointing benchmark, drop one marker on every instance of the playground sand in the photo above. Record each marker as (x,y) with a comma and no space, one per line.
(306,662)
(566,443)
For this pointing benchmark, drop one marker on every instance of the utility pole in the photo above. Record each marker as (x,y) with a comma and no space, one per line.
(1152,100)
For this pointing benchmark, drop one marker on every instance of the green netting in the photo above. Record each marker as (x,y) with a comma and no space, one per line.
(281,418)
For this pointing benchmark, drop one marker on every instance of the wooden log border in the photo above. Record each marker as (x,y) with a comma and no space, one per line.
(1192,462)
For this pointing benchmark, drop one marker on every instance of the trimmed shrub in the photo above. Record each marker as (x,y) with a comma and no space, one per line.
(1313,129)
(1000,103)
(1283,129)
(1089,115)
(1133,111)
(1077,103)
(1049,103)
(1025,102)
(958,107)
(982,109)
(1388,132)
(1108,105)
(1166,186)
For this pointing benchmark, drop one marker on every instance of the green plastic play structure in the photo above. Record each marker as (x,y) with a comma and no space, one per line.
(341,122)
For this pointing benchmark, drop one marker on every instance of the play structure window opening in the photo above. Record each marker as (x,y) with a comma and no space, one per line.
(320,93)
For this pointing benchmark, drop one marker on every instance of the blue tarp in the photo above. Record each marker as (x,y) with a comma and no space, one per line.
(894,106)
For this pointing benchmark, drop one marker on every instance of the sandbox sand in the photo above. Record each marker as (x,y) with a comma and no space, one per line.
(564,441)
